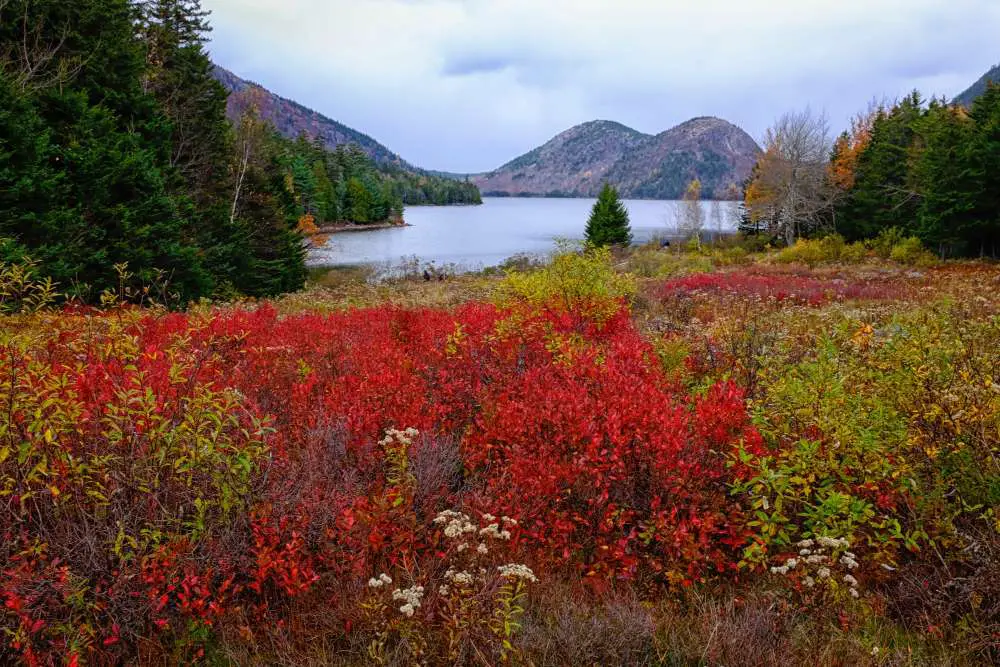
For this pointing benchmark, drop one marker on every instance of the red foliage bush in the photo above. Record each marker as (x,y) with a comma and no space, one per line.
(162,473)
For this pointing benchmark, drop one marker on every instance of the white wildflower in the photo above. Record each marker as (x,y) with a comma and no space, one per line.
(833,542)
(854,593)
(460,578)
(507,521)
(791,563)
(458,524)
(411,598)
(805,544)
(805,552)
(809,582)
(517,571)
(489,518)
(445,516)
(823,573)
(816,559)
(382,580)
(462,547)
(875,650)
(482,548)
(850,580)
(443,590)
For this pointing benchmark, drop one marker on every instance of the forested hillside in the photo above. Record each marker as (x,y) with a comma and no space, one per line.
(970,94)
(292,120)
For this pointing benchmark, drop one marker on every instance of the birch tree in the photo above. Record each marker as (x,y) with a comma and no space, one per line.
(790,193)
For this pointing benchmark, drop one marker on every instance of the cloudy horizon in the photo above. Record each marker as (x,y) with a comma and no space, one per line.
(467,85)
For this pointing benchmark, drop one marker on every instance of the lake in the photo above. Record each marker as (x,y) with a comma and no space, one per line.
(475,237)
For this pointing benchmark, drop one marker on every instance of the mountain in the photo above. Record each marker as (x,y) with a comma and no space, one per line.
(412,185)
(578,161)
(292,119)
(979,87)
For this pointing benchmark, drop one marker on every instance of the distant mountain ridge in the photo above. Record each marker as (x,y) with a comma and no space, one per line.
(292,119)
(578,161)
(979,87)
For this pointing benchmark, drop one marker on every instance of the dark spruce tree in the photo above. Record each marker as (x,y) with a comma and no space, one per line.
(883,193)
(984,170)
(608,223)
(95,149)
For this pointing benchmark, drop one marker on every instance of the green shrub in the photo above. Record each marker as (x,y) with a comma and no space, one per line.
(732,256)
(580,282)
(886,241)
(854,253)
(910,251)
(827,250)
(804,251)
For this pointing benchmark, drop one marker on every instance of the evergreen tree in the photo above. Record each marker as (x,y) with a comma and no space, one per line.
(941,178)
(359,201)
(608,223)
(100,197)
(264,213)
(179,76)
(883,195)
(984,170)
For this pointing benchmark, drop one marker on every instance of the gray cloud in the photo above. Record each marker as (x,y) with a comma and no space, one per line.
(475,64)
(465,85)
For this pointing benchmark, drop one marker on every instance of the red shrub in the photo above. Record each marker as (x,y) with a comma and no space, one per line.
(198,465)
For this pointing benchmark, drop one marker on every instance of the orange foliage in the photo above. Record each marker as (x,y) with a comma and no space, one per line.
(307,228)
(762,194)
(848,148)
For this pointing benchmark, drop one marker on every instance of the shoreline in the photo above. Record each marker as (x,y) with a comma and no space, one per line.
(354,227)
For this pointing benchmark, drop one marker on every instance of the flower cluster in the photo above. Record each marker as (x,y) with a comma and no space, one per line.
(380,581)
(404,437)
(411,598)
(517,571)
(456,524)
(814,553)
(493,530)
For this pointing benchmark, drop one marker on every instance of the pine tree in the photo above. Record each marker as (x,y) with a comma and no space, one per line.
(608,223)
(100,197)
(940,174)
(984,170)
(882,195)
(178,75)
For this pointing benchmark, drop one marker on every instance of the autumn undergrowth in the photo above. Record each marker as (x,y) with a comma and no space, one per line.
(716,457)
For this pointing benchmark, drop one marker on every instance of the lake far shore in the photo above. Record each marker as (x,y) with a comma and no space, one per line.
(355,227)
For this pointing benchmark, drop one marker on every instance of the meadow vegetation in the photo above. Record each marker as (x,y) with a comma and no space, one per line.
(725,455)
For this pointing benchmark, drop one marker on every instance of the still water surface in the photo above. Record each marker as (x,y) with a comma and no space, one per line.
(474,237)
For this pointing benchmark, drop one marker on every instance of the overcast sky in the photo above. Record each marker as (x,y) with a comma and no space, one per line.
(466,85)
